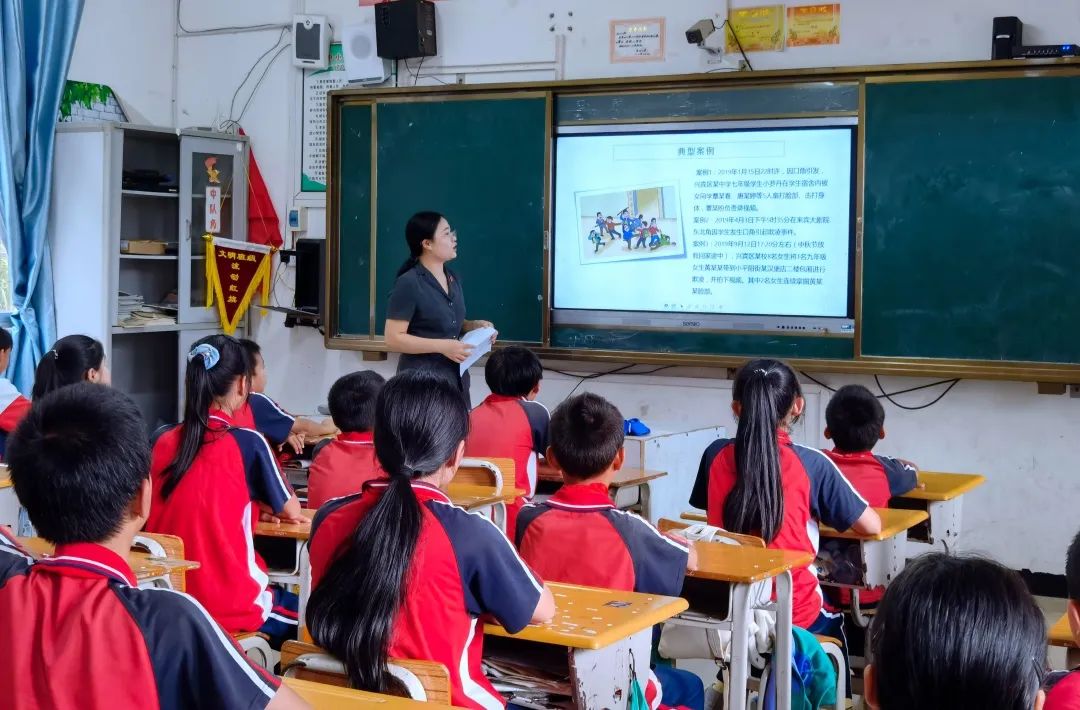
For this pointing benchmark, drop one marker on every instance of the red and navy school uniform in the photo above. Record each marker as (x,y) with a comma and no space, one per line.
(81,634)
(341,466)
(627,552)
(814,490)
(463,568)
(513,428)
(1062,691)
(13,407)
(213,509)
(265,416)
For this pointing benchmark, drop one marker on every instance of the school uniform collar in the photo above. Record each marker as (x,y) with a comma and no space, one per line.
(852,454)
(87,560)
(582,497)
(357,437)
(423,491)
(220,419)
(783,437)
(496,398)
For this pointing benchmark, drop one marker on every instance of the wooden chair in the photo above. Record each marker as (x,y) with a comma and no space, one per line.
(486,472)
(167,546)
(256,646)
(426,680)
(667,525)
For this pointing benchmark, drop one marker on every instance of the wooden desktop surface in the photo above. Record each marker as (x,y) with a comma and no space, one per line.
(469,496)
(1060,634)
(623,478)
(295,531)
(144,565)
(590,618)
(944,486)
(739,564)
(893,522)
(331,697)
(5,477)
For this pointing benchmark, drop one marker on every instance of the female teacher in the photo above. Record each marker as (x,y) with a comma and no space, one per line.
(426,313)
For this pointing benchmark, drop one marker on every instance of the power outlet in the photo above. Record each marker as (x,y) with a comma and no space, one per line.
(1074,391)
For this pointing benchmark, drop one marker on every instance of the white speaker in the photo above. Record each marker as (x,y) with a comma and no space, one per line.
(362,62)
(311,41)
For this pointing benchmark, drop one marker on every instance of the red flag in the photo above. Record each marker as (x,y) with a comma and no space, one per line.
(263,224)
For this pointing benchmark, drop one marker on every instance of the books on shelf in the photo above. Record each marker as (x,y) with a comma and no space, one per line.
(132,312)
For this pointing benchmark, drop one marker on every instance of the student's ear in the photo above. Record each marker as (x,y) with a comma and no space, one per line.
(736,408)
(828,434)
(1073,612)
(869,684)
(881,434)
(459,454)
(140,507)
(549,456)
(534,392)
(797,407)
(620,458)
(1040,698)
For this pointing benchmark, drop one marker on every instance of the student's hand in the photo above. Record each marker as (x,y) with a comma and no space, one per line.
(456,350)
(494,336)
(265,517)
(294,442)
(692,560)
(293,519)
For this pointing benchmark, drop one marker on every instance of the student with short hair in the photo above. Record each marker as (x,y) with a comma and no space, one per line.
(400,571)
(80,632)
(510,423)
(73,358)
(341,466)
(1064,693)
(211,480)
(956,632)
(624,551)
(13,406)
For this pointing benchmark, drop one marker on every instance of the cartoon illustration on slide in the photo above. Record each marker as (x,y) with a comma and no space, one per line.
(646,224)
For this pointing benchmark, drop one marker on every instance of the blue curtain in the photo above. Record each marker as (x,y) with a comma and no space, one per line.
(36,41)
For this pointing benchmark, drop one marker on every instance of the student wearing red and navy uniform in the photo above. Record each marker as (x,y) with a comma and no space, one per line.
(398,571)
(760,483)
(13,406)
(341,466)
(79,631)
(510,423)
(211,480)
(1063,688)
(627,553)
(855,422)
(72,358)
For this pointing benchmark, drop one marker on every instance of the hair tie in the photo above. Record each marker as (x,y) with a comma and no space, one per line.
(209,354)
(759,371)
(56,355)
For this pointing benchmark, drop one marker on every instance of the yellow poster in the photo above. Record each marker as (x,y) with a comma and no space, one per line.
(809,25)
(757,29)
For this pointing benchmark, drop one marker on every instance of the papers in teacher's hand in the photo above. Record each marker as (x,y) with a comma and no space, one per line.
(480,340)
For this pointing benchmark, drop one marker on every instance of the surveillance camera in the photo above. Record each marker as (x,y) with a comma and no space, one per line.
(700,31)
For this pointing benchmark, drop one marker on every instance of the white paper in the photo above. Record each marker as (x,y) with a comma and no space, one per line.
(480,340)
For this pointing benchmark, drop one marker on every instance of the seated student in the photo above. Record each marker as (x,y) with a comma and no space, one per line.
(73,358)
(80,633)
(956,632)
(510,423)
(623,551)
(211,480)
(265,416)
(399,571)
(1064,693)
(855,422)
(13,406)
(760,483)
(342,466)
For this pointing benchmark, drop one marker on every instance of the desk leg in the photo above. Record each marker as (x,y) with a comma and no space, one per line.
(304,570)
(883,560)
(645,501)
(781,660)
(740,652)
(945,521)
(601,678)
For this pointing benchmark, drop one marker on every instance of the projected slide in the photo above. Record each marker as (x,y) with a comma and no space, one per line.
(749,221)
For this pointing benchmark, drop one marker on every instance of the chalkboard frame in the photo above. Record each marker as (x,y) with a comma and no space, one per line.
(909,366)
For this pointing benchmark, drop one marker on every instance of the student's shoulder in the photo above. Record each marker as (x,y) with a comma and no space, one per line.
(249,440)
(815,461)
(1065,693)
(532,407)
(333,509)
(716,448)
(460,524)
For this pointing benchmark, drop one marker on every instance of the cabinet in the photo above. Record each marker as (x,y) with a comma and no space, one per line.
(115,183)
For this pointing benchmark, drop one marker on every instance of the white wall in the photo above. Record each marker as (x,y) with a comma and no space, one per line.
(1022,441)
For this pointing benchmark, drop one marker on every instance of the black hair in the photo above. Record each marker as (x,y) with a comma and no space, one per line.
(420,227)
(420,420)
(855,418)
(352,400)
(70,359)
(1072,569)
(586,435)
(202,385)
(78,460)
(766,390)
(957,632)
(252,351)
(513,371)
(5,339)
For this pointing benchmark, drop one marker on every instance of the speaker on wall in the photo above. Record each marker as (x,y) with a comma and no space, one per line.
(311,41)
(363,65)
(310,266)
(406,29)
(1008,37)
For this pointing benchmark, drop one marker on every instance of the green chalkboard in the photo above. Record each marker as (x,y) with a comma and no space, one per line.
(354,255)
(689,343)
(972,220)
(482,163)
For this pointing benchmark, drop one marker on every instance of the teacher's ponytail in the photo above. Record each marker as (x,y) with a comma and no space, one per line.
(421,227)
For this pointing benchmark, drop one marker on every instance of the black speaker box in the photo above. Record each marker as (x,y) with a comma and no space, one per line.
(310,268)
(405,29)
(1008,37)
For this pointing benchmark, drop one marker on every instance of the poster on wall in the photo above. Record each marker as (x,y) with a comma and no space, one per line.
(812,25)
(637,40)
(759,29)
(317,82)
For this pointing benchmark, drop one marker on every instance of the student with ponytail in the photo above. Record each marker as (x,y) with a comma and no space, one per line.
(210,480)
(398,571)
(761,483)
(73,358)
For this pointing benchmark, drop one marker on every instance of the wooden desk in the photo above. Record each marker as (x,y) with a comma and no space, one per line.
(942,498)
(893,522)
(300,574)
(149,570)
(332,697)
(1061,635)
(629,489)
(9,503)
(602,629)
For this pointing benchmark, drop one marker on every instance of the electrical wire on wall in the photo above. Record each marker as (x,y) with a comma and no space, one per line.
(222,30)
(232,123)
(597,375)
(888,396)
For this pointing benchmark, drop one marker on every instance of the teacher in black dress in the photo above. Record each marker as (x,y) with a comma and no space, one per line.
(426,314)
